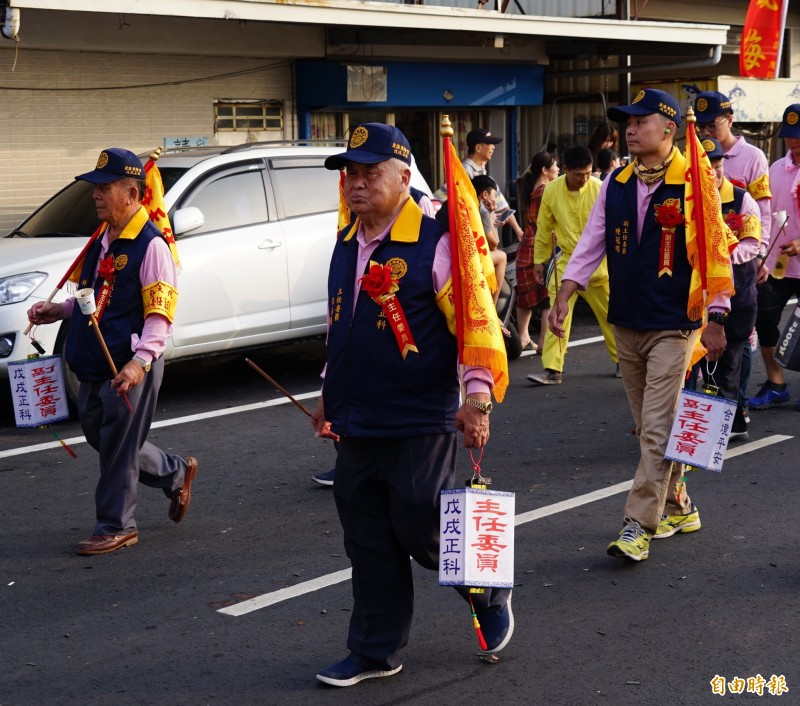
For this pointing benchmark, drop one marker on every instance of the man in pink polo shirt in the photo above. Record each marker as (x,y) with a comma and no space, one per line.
(782,264)
(746,166)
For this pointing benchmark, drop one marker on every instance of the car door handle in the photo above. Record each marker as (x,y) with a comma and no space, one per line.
(269,245)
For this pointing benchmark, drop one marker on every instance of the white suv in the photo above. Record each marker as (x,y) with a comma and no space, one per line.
(255,226)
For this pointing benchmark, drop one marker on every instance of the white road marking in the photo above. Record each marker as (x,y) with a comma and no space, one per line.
(300,589)
(164,423)
(34,448)
(285,594)
(572,344)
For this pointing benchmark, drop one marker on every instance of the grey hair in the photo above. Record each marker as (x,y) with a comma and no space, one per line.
(138,184)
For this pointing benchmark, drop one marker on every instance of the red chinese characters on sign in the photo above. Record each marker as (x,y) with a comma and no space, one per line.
(476,545)
(486,518)
(37,391)
(700,430)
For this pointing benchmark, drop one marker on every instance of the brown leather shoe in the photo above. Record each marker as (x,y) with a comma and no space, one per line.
(105,543)
(181,500)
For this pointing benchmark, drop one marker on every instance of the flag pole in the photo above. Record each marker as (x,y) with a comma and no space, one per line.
(699,216)
(446,132)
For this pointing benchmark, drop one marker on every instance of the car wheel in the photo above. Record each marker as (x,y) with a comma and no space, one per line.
(513,342)
(71,382)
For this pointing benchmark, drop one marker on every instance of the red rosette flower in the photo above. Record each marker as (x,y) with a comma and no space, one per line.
(669,214)
(107,271)
(734,221)
(378,281)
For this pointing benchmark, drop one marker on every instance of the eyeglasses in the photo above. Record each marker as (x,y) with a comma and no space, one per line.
(711,126)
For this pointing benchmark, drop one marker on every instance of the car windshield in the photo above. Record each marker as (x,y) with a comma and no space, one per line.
(71,212)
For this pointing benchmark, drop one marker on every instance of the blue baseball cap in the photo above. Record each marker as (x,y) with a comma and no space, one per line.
(371,143)
(709,104)
(647,102)
(114,164)
(713,148)
(790,125)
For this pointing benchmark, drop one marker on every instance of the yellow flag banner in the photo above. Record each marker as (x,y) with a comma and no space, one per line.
(344,209)
(708,240)
(480,338)
(153,201)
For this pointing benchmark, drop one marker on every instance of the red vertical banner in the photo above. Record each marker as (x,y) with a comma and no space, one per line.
(762,38)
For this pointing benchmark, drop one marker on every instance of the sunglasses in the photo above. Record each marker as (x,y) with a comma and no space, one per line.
(711,126)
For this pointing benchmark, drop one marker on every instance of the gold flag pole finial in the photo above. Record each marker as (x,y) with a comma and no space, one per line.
(690,116)
(446,127)
(156,153)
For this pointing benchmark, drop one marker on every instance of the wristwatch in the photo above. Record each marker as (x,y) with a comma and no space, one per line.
(146,365)
(484,407)
(718,317)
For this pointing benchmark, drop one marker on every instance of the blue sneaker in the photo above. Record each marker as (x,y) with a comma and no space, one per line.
(325,478)
(349,672)
(497,626)
(768,397)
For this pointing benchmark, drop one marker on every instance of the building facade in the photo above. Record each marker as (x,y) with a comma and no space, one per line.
(193,72)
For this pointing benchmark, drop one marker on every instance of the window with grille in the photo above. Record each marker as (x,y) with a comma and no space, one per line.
(248,115)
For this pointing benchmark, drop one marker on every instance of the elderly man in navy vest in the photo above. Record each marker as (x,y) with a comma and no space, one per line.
(131,270)
(394,405)
(648,309)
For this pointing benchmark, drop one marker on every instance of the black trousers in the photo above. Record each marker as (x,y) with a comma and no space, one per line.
(387,494)
(772,298)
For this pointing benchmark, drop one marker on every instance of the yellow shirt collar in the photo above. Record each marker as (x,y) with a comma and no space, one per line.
(135,224)
(405,228)
(726,191)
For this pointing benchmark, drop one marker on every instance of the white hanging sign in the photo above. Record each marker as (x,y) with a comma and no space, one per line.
(476,538)
(700,431)
(37,391)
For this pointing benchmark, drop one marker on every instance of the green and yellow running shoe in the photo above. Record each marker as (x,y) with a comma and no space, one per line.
(633,542)
(672,524)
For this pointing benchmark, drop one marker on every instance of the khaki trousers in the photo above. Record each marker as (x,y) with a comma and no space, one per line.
(653,366)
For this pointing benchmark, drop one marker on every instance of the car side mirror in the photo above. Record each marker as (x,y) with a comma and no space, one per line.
(186,219)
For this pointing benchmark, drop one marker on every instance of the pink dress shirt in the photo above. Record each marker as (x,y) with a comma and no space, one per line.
(784,177)
(745,164)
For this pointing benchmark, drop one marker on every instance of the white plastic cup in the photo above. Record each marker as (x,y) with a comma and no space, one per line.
(85,298)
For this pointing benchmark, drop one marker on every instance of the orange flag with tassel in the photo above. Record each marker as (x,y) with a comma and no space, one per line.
(709,241)
(467,298)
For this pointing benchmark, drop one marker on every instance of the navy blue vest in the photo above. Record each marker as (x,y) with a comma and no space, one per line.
(369,388)
(640,299)
(744,275)
(123,315)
